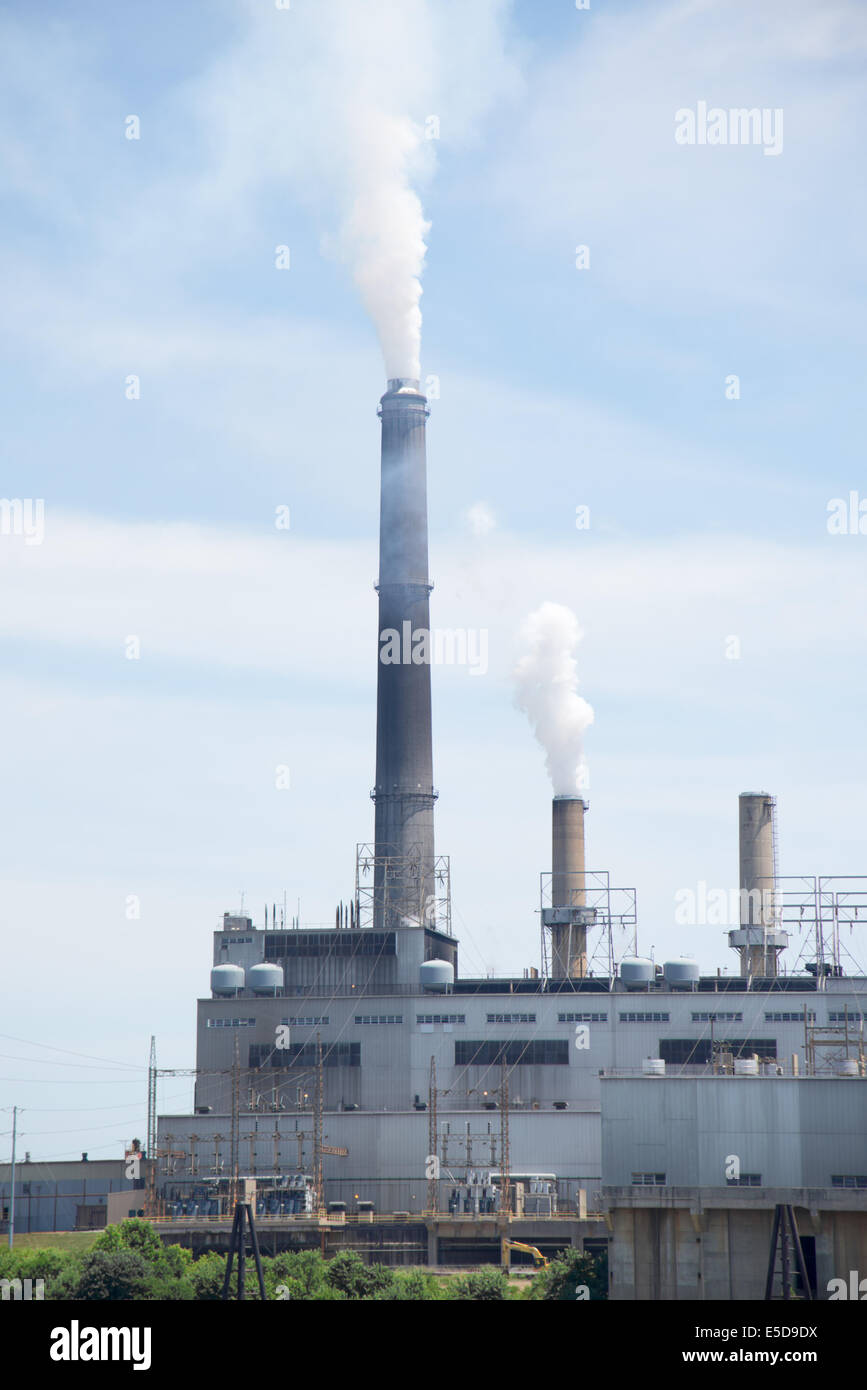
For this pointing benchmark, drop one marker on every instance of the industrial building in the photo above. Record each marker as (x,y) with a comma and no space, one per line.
(380,1098)
(362,1079)
(695,1168)
(70,1195)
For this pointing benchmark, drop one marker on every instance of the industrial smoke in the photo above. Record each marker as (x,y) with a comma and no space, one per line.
(546,689)
(383,236)
(341,105)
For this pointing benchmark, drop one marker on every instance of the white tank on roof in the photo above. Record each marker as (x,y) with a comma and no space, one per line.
(227,979)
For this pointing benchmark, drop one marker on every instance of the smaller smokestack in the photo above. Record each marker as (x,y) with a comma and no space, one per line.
(760,938)
(568,938)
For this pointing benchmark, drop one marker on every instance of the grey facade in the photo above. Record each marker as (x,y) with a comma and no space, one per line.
(66,1196)
(356,993)
(786,1131)
(694,1168)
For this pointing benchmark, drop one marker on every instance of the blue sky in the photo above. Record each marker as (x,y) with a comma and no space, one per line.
(558,388)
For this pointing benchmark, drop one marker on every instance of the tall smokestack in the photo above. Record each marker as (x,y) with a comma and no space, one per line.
(759,938)
(568,938)
(404,795)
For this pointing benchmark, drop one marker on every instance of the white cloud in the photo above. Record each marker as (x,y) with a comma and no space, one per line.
(656,613)
(690,228)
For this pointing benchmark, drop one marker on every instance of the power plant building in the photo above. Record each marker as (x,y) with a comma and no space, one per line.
(355,1071)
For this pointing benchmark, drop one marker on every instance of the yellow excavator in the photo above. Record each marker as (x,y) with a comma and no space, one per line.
(507,1246)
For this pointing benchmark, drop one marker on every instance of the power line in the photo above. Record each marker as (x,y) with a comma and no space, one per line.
(108,1061)
(52,1062)
(59,1081)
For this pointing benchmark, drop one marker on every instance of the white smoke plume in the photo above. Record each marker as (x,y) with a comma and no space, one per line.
(343,104)
(546,689)
(383,236)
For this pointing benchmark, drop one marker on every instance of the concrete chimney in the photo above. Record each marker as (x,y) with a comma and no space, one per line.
(759,938)
(404,794)
(569,936)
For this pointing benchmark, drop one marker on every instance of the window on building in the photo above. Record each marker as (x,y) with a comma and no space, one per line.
(718,1018)
(230,1022)
(440,1018)
(321,1021)
(333,943)
(644,1018)
(537,1052)
(379,1018)
(304,1055)
(582,1018)
(849,1179)
(843,1017)
(745,1180)
(648,1180)
(790,1017)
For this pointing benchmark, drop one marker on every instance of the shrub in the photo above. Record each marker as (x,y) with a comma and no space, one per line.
(483,1285)
(112,1275)
(416,1286)
(132,1234)
(206,1276)
(349,1274)
(565,1274)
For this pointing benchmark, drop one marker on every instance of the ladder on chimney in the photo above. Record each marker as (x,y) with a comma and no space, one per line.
(775,923)
(775,847)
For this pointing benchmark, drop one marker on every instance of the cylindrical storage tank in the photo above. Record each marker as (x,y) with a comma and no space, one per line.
(746,1066)
(848,1066)
(265,978)
(436,975)
(637,973)
(227,979)
(681,974)
(653,1066)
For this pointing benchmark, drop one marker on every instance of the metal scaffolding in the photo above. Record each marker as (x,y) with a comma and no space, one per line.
(377,874)
(611,914)
(824,912)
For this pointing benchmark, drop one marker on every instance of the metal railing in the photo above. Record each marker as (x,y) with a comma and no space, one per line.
(337,1219)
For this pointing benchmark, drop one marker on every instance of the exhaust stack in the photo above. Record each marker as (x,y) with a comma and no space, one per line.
(404,795)
(759,940)
(568,918)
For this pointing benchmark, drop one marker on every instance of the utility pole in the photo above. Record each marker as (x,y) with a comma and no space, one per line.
(152,1097)
(318,1185)
(150,1204)
(505,1179)
(234,1138)
(12,1192)
(433,1184)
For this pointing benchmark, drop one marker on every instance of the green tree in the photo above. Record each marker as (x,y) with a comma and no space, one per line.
(482,1285)
(348,1273)
(206,1276)
(298,1275)
(112,1275)
(416,1286)
(132,1234)
(567,1273)
(169,1266)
